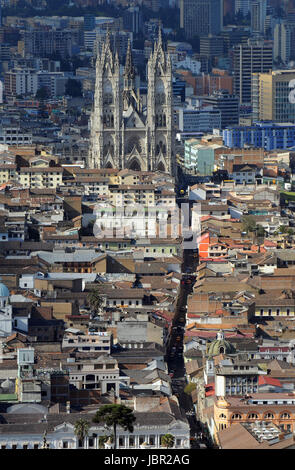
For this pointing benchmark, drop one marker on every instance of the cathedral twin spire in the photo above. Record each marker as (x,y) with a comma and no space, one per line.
(129,130)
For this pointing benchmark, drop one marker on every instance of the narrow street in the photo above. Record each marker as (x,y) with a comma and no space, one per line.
(175,347)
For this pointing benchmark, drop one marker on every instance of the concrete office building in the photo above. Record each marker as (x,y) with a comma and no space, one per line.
(282,42)
(132,19)
(242,6)
(227,104)
(211,46)
(267,135)
(270,96)
(258,16)
(201,17)
(256,56)
(199,120)
(20,82)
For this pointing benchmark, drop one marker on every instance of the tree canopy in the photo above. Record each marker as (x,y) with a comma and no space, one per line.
(95,300)
(167,440)
(81,429)
(115,415)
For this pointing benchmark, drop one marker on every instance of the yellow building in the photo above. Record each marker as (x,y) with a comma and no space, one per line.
(270,96)
(121,195)
(40,177)
(7,173)
(278,408)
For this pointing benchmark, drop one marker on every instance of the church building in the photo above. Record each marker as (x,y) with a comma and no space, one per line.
(126,130)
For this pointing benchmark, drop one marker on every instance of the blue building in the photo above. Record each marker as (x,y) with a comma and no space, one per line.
(263,134)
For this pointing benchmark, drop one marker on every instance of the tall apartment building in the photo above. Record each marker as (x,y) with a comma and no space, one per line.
(228,106)
(270,96)
(89,22)
(211,46)
(201,17)
(256,56)
(258,16)
(20,82)
(132,19)
(242,6)
(234,35)
(282,42)
(45,42)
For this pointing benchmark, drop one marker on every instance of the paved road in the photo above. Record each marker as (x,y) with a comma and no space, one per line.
(175,348)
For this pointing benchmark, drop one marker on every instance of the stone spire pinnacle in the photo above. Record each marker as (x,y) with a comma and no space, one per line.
(160,39)
(108,38)
(129,67)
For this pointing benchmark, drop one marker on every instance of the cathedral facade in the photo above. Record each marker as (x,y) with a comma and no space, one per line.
(126,130)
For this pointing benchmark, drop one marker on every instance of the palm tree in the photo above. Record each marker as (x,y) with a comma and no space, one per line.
(95,300)
(81,429)
(167,440)
(115,415)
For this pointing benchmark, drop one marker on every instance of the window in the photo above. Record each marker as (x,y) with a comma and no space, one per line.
(65,445)
(222,416)
(236,416)
(268,416)
(285,416)
(152,440)
(131,441)
(253,416)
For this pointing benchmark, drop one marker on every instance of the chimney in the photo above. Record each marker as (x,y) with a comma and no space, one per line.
(68,404)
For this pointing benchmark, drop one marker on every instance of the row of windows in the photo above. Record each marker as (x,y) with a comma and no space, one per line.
(268,415)
(274,311)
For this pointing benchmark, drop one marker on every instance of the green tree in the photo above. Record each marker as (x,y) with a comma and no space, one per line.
(73,87)
(81,429)
(189,388)
(115,415)
(167,440)
(95,300)
(260,232)
(248,223)
(283,229)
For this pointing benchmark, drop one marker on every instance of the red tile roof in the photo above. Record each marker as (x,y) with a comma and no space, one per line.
(210,389)
(269,381)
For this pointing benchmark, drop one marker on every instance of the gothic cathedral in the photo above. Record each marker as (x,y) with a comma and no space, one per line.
(127,132)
